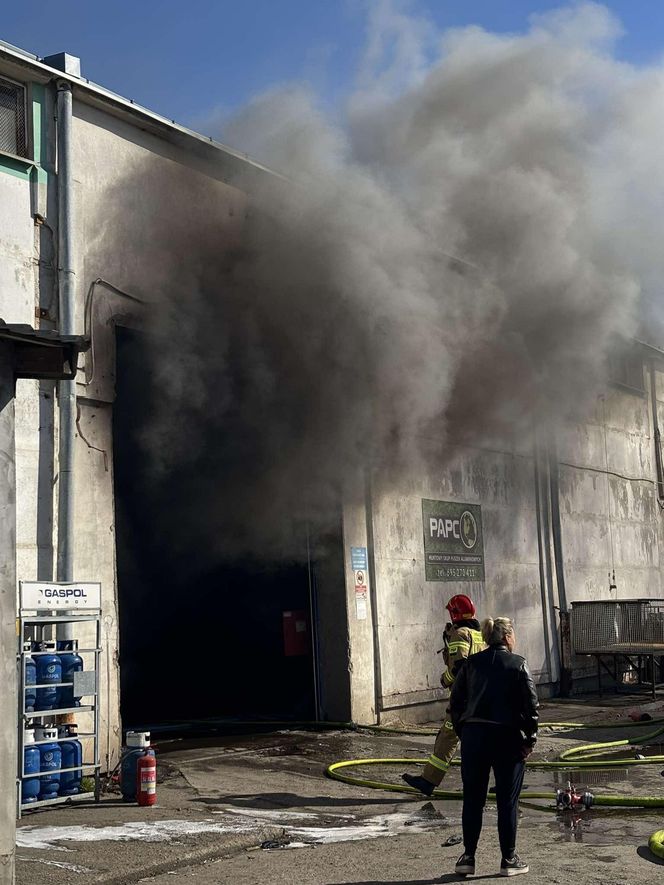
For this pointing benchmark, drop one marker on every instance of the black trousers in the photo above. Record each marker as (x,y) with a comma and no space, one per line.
(485,747)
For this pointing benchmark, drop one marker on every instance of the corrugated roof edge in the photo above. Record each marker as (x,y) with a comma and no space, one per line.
(22,58)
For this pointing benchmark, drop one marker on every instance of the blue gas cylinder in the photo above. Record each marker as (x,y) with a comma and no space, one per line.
(72,755)
(30,679)
(72,663)
(50,760)
(137,745)
(49,670)
(30,786)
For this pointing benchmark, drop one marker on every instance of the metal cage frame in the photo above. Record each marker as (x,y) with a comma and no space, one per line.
(631,629)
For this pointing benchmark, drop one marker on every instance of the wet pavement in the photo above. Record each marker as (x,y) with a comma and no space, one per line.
(220,795)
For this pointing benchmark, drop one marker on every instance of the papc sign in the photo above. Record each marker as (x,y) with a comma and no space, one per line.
(453,541)
(43,595)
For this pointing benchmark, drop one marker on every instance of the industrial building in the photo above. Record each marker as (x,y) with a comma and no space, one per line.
(348,628)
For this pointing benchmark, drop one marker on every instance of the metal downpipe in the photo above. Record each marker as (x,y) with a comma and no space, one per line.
(543,561)
(373,595)
(66,389)
(556,533)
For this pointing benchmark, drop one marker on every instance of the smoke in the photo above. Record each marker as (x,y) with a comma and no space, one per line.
(452,255)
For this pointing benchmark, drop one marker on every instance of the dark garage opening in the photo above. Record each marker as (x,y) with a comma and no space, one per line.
(229,639)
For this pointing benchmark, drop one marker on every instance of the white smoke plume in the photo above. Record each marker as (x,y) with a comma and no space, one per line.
(457,247)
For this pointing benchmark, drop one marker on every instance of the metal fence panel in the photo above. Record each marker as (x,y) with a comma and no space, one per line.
(630,626)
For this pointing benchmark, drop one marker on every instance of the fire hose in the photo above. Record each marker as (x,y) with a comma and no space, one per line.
(578,758)
(656,843)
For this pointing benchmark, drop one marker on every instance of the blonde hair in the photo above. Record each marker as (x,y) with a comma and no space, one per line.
(495,630)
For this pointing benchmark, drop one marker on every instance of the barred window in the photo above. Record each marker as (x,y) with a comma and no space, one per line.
(13,132)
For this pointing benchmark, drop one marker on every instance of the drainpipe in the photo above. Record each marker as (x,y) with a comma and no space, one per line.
(544,557)
(8,696)
(373,596)
(66,389)
(556,533)
(659,467)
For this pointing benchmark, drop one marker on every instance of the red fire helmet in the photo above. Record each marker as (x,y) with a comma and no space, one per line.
(461,608)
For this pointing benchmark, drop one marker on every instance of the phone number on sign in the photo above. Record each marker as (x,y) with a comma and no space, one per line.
(458,573)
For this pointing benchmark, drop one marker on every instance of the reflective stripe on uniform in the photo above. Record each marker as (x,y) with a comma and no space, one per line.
(448,724)
(438,763)
(458,643)
(448,678)
(478,642)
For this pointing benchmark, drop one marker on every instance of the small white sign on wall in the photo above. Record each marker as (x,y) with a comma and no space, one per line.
(44,595)
(361,591)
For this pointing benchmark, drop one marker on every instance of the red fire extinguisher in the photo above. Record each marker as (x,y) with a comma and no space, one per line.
(146,780)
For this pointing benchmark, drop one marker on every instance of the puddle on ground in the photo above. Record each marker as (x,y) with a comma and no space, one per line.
(326,747)
(608,827)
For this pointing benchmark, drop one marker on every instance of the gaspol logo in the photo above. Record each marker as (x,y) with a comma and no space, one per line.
(468,529)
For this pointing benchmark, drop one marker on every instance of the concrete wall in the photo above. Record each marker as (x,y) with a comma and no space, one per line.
(156,188)
(610,520)
(27,276)
(360,635)
(610,516)
(411,613)
(136,196)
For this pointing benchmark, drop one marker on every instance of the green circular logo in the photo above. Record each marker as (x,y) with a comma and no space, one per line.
(468,529)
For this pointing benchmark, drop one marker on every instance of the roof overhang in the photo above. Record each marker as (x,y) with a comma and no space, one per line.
(42,354)
(650,350)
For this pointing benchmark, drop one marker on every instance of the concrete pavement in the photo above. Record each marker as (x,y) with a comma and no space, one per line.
(220,797)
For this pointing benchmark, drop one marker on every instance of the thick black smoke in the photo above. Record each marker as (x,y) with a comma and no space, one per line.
(454,253)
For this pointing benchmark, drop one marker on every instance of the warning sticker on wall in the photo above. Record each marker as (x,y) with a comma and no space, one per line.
(361,593)
(453,541)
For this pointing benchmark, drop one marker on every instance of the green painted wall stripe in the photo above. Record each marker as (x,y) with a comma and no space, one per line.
(17,168)
(38,123)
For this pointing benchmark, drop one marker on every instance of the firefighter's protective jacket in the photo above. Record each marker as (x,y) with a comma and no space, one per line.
(460,641)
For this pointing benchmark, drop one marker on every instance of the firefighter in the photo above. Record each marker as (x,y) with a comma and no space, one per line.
(461,639)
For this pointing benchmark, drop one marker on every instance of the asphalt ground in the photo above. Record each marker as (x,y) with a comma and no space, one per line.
(221,797)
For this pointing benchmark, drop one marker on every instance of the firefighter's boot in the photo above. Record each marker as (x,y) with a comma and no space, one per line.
(419,783)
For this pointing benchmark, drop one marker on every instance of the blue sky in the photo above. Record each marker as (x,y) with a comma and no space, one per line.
(187,60)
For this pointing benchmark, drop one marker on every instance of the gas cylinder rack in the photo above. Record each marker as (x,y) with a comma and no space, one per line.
(43,606)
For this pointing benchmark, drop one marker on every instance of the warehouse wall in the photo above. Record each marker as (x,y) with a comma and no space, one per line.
(610,514)
(610,520)
(123,172)
(410,610)
(178,189)
(27,288)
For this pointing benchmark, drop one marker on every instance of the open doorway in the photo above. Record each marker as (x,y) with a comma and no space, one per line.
(231,638)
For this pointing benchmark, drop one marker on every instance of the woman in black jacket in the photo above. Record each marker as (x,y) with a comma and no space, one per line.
(494,710)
